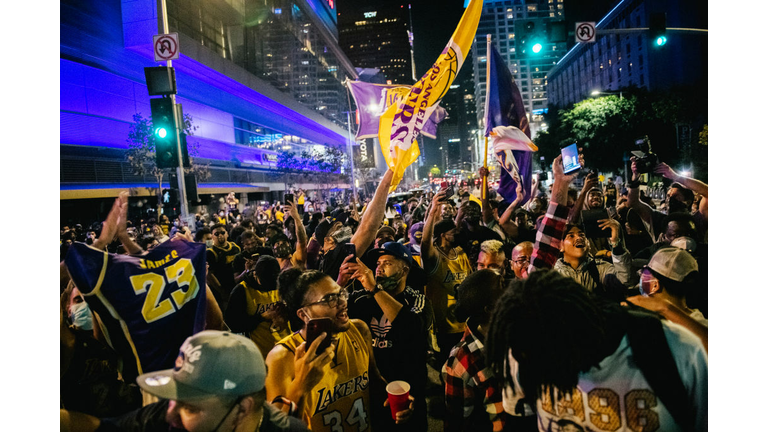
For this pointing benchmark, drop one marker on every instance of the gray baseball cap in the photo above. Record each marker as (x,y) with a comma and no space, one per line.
(210,363)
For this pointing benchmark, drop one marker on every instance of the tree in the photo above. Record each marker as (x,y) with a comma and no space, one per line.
(141,152)
(320,167)
(607,127)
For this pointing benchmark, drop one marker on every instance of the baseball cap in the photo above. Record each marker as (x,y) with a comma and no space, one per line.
(417,230)
(685,243)
(443,227)
(210,363)
(385,229)
(397,250)
(673,263)
(322,230)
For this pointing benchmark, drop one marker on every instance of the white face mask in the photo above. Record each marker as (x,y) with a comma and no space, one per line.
(209,243)
(80,315)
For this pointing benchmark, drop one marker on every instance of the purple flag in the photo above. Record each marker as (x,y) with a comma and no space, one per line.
(504,107)
(373,99)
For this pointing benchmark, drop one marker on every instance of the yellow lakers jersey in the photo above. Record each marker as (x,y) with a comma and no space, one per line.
(258,302)
(441,288)
(340,402)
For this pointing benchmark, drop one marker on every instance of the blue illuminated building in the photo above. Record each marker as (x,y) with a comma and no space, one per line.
(257,78)
(617,61)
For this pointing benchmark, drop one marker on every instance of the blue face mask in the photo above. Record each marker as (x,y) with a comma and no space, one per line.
(80,315)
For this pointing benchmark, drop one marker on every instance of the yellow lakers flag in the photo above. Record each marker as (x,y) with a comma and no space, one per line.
(401,123)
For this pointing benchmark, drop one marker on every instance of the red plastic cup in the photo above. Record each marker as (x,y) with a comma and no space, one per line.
(397,395)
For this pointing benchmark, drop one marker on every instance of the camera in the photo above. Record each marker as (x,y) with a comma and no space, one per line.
(646,159)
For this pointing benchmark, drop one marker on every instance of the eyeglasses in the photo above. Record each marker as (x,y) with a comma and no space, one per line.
(220,233)
(331,300)
(522,260)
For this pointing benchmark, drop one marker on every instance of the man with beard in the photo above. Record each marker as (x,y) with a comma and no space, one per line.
(471,232)
(680,197)
(400,319)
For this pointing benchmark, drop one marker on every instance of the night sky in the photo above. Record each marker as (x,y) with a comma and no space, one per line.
(433,24)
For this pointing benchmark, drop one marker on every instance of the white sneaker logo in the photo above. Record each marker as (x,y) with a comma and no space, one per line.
(229,385)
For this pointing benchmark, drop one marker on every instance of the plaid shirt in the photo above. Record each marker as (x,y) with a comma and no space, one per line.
(548,237)
(473,395)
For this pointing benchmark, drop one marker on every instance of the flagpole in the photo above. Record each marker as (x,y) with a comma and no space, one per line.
(487,86)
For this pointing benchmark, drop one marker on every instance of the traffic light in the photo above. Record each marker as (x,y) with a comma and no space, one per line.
(556,32)
(164,123)
(657,29)
(170,197)
(529,41)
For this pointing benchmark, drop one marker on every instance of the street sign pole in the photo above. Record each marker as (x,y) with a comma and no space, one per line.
(179,122)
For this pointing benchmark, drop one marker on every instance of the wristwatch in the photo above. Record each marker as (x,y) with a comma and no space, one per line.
(376,289)
(613,245)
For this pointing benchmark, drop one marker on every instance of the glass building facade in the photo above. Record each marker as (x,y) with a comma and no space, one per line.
(503,19)
(258,77)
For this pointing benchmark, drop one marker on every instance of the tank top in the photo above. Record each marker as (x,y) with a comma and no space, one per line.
(340,401)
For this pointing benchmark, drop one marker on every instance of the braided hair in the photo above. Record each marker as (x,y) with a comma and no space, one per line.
(554,329)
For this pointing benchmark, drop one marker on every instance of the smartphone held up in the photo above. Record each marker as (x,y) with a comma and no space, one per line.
(570,155)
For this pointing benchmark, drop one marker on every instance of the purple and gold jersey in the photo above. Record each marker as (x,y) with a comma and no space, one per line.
(148,304)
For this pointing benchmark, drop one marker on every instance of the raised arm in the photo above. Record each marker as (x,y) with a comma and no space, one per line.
(696,186)
(633,195)
(487,211)
(506,222)
(550,233)
(301,234)
(589,182)
(373,216)
(429,255)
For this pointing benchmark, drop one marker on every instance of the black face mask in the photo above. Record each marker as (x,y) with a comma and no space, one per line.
(675,206)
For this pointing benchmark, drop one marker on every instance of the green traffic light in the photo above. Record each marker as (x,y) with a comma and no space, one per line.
(161,132)
(536,48)
(661,40)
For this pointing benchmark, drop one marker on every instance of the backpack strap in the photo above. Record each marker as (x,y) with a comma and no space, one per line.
(594,273)
(654,358)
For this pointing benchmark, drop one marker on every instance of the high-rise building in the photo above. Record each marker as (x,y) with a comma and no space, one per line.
(507,21)
(379,37)
(627,59)
(258,77)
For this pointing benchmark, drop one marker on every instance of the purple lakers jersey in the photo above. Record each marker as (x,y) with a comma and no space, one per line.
(148,304)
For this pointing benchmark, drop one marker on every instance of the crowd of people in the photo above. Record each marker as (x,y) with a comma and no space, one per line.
(578,309)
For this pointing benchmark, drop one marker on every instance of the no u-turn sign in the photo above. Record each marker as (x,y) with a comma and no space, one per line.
(585,32)
(166,46)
